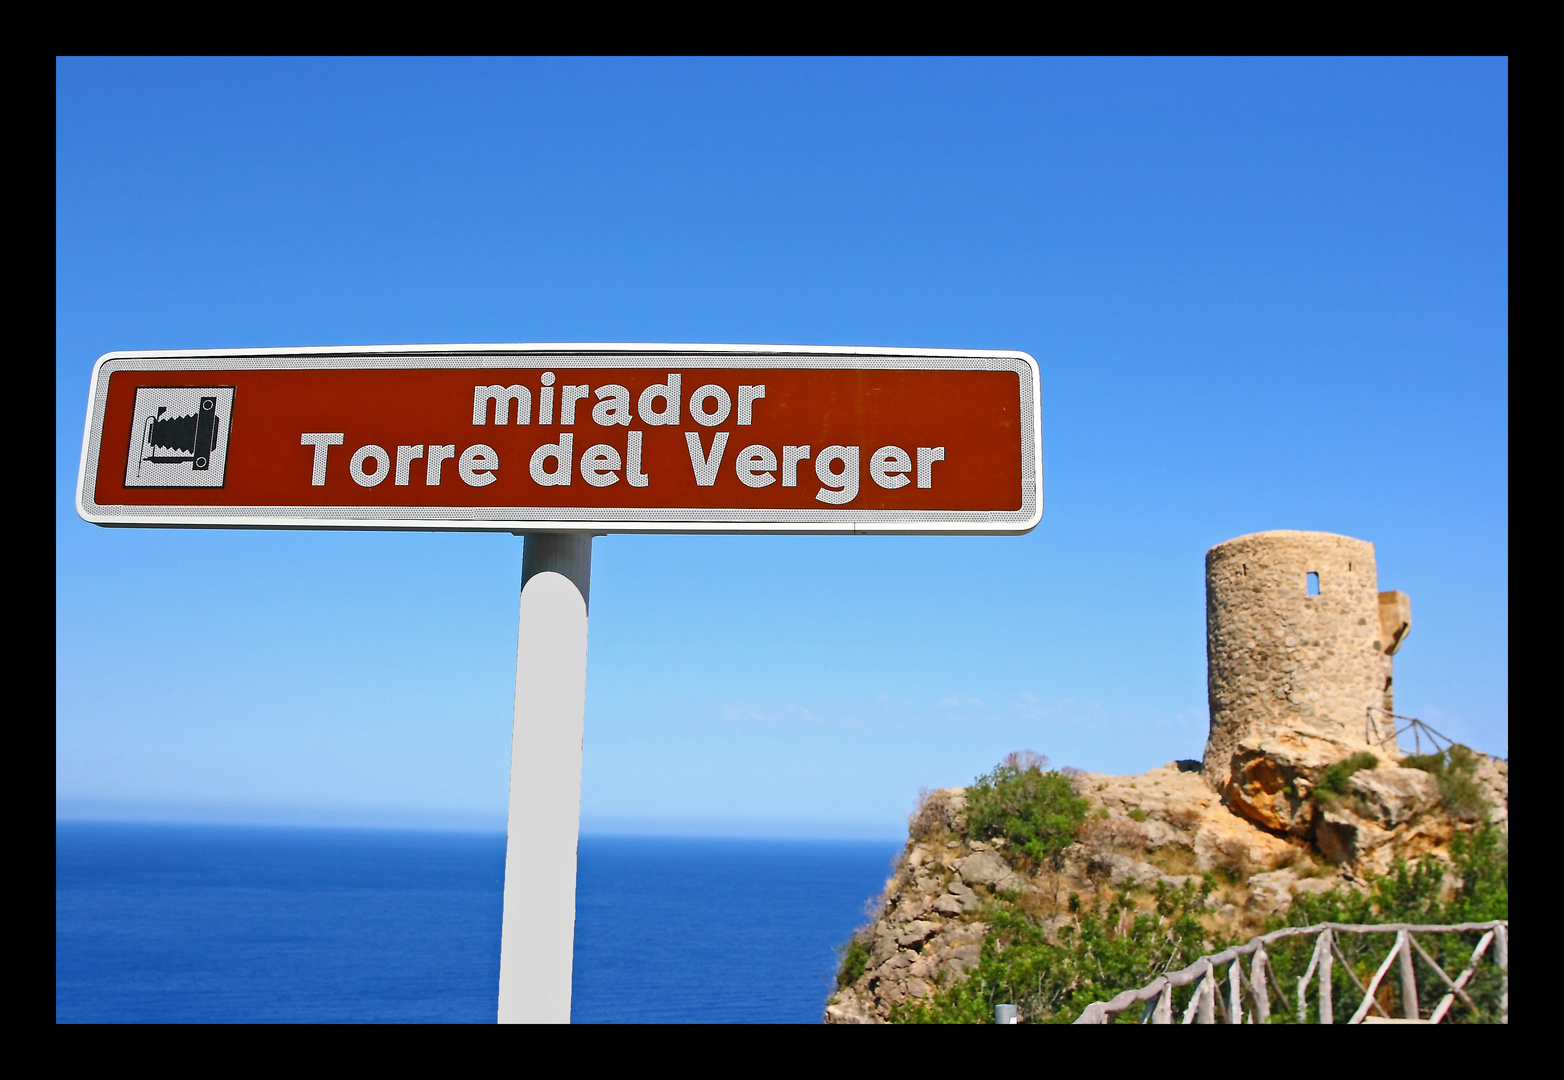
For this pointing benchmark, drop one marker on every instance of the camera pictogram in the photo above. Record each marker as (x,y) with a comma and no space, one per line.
(179,436)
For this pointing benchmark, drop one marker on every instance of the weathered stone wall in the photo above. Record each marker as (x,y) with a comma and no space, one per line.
(1292,677)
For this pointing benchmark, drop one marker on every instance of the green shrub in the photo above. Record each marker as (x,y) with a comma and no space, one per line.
(1137,814)
(1409,894)
(1333,781)
(1482,858)
(1094,958)
(1455,767)
(1036,813)
(855,961)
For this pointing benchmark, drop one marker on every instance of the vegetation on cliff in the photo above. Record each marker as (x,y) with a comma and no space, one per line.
(1412,893)
(1032,812)
(1335,779)
(1051,973)
(1076,919)
(1455,768)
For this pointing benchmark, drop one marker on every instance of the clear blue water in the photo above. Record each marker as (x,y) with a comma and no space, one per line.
(219,924)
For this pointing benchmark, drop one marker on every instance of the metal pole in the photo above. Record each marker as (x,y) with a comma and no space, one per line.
(537,935)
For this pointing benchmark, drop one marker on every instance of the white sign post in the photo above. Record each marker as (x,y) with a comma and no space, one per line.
(538,932)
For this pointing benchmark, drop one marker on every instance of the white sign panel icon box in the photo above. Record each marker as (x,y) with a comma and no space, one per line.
(179,437)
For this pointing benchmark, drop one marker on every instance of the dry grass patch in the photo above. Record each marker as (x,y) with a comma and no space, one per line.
(1175,859)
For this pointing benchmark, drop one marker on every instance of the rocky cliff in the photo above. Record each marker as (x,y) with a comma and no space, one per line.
(1301,822)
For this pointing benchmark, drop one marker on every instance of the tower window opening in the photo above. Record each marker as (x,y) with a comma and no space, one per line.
(1313,580)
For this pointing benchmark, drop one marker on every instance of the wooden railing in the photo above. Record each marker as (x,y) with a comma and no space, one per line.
(1247,997)
(1418,728)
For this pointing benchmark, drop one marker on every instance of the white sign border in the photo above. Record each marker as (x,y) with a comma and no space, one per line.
(564,519)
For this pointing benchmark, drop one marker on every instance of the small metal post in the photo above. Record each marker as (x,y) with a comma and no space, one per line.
(1005,1014)
(537,934)
(1408,980)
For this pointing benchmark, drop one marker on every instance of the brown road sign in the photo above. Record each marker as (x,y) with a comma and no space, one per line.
(600,438)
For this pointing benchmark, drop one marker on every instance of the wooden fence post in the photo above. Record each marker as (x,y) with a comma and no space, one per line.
(1262,992)
(1408,981)
(1327,1013)
(1321,944)
(1163,1013)
(1501,956)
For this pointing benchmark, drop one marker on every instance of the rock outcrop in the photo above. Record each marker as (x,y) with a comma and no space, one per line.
(928,929)
(1164,826)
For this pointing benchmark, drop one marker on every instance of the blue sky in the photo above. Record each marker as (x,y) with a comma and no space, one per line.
(1263,294)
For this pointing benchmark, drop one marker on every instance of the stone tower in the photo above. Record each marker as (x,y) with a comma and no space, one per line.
(1299,642)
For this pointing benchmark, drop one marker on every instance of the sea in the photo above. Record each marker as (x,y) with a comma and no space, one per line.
(228,924)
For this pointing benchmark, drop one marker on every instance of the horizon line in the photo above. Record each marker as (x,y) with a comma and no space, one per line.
(124,813)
